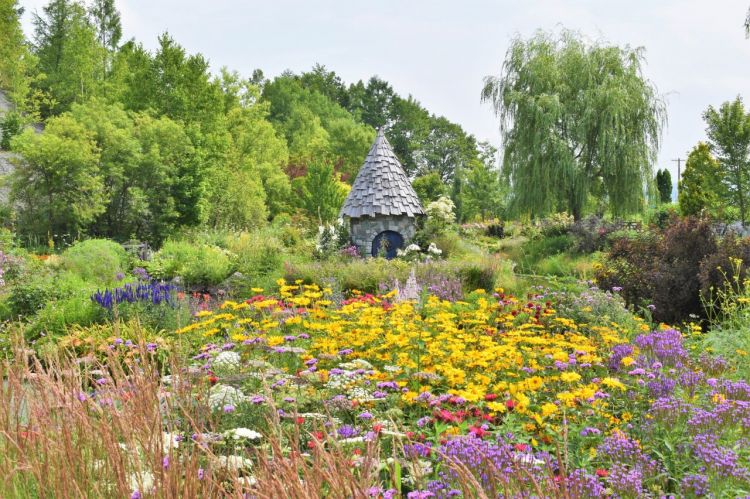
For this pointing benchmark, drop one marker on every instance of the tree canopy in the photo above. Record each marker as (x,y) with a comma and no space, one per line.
(576,117)
(728,130)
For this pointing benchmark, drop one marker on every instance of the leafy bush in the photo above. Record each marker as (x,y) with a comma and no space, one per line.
(257,256)
(11,125)
(660,269)
(56,316)
(197,264)
(535,250)
(96,260)
(591,234)
(556,224)
(331,239)
(30,293)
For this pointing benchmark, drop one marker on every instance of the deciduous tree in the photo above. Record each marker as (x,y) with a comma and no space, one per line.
(700,186)
(573,113)
(728,130)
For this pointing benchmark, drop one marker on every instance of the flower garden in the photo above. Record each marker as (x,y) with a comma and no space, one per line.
(302,392)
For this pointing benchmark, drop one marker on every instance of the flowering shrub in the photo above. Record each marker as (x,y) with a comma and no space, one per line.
(332,238)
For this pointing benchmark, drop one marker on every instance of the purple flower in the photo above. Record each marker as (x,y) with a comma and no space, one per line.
(151,347)
(228,408)
(165,462)
(424,421)
(135,495)
(347,431)
(365,415)
(345,351)
(201,473)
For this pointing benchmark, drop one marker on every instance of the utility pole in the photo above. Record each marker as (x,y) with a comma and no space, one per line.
(679,174)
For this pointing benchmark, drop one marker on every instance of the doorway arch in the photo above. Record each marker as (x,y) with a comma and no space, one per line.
(387,243)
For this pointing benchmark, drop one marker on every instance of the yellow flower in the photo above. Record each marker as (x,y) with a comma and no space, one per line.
(627,361)
(570,377)
(613,383)
(549,409)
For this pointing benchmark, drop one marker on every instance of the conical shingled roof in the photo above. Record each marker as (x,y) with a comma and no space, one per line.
(381,186)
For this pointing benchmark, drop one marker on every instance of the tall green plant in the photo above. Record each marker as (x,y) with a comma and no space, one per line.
(576,118)
(728,130)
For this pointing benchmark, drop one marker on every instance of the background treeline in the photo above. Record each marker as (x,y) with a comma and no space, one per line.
(138,143)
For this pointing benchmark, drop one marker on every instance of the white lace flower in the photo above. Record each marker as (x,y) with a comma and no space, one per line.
(240,433)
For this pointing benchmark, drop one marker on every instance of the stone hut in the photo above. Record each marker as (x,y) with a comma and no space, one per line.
(382,206)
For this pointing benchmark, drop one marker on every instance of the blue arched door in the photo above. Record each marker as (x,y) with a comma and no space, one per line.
(387,243)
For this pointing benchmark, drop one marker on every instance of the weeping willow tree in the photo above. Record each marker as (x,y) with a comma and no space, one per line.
(578,120)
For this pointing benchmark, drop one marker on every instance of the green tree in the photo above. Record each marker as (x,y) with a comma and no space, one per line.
(316,128)
(483,191)
(728,130)
(429,187)
(16,61)
(69,55)
(701,189)
(571,113)
(320,193)
(56,182)
(446,149)
(249,185)
(664,185)
(106,20)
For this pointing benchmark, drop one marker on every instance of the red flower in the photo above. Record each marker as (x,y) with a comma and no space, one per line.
(490,397)
(299,420)
(478,431)
(213,379)
(377,428)
(601,472)
(521,447)
(510,403)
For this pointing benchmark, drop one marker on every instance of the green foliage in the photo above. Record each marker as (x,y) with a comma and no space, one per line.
(483,192)
(10,126)
(700,187)
(195,264)
(728,130)
(96,260)
(30,293)
(576,118)
(57,182)
(664,185)
(429,187)
(16,61)
(69,55)
(320,193)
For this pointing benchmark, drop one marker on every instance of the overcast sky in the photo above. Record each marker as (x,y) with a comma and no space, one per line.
(440,50)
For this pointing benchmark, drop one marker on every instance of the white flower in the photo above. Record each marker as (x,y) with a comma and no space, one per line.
(239,433)
(227,360)
(221,395)
(234,462)
(143,481)
(413,247)
(434,250)
(248,481)
(169,441)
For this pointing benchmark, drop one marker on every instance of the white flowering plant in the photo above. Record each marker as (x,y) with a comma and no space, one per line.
(332,238)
